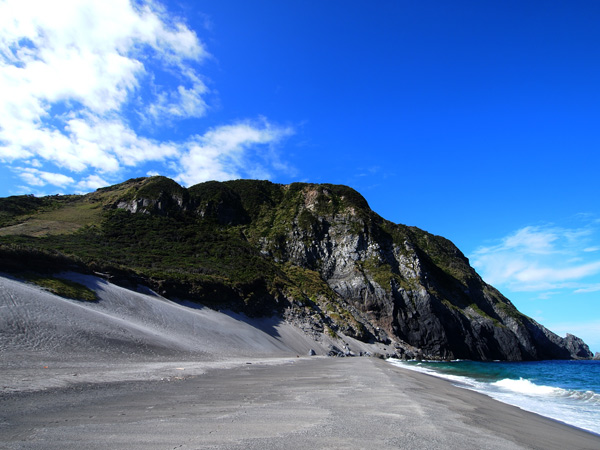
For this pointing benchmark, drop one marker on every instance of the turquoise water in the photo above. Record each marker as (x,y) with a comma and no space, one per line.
(568,391)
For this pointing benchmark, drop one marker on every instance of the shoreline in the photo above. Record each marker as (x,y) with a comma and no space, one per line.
(513,411)
(533,397)
(302,403)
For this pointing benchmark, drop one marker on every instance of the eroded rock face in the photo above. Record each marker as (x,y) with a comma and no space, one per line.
(394,284)
(156,195)
(147,205)
(382,270)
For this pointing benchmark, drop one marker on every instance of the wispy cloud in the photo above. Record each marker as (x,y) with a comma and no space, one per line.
(91,182)
(221,153)
(542,258)
(588,289)
(35,177)
(75,80)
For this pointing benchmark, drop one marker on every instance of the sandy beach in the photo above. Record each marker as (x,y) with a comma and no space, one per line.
(302,403)
(137,371)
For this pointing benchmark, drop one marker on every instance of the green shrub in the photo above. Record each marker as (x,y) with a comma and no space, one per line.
(63,288)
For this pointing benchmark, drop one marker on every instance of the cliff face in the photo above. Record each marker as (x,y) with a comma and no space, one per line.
(323,259)
(413,287)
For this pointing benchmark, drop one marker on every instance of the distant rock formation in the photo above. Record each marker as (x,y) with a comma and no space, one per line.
(329,265)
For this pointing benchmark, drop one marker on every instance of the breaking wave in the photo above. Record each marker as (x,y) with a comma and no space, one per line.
(577,405)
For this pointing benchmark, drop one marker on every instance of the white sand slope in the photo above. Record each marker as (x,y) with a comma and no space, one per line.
(125,332)
(131,323)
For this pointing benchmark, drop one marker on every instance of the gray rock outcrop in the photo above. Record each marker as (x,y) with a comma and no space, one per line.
(382,282)
(409,287)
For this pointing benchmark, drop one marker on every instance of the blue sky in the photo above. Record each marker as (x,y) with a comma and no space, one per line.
(475,120)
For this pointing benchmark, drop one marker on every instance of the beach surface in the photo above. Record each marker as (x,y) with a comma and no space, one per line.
(302,403)
(137,371)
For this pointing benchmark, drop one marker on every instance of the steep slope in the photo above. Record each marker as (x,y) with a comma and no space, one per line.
(314,254)
(123,324)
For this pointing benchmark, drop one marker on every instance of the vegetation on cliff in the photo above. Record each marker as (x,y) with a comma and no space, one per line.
(312,253)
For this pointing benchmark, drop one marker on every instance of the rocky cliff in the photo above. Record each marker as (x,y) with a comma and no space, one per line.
(320,257)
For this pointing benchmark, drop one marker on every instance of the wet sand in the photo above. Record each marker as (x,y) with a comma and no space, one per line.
(303,403)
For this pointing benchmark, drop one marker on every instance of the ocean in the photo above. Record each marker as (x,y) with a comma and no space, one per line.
(568,391)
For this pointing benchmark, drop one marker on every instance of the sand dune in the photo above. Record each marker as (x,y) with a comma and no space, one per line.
(124,322)
(132,335)
(125,335)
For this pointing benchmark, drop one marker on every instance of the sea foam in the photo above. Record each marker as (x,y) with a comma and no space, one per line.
(524,386)
(577,407)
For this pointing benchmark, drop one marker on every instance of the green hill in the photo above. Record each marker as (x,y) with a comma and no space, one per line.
(315,254)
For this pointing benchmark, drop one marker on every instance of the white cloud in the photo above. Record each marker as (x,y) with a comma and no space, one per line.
(35,177)
(77,75)
(84,51)
(540,259)
(535,274)
(68,70)
(223,153)
(529,239)
(182,103)
(91,182)
(588,289)
(109,144)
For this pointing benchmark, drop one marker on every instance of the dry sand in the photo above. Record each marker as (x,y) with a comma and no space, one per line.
(135,371)
(307,403)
